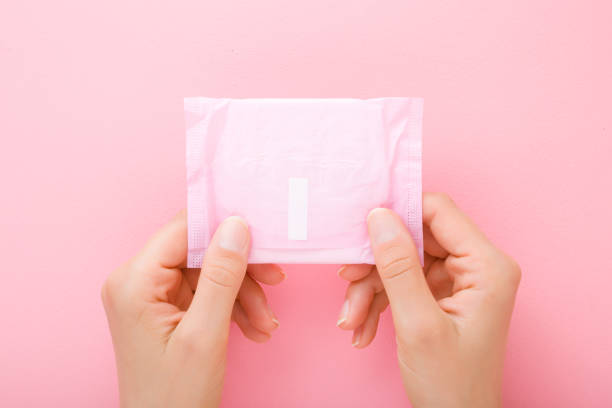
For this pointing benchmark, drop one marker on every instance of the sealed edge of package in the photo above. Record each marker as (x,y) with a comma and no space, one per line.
(290,226)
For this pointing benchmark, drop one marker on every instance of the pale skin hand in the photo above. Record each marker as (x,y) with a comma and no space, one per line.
(451,316)
(170,326)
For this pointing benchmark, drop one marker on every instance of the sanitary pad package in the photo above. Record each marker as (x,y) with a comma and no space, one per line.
(303,173)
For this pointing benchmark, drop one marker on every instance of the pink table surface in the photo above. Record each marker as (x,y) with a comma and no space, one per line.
(517,129)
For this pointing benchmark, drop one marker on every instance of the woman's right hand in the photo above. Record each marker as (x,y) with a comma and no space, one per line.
(451,317)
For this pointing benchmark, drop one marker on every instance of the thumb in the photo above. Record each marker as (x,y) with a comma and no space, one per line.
(222,273)
(399,267)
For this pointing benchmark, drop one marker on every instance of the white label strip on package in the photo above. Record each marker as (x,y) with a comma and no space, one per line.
(298,209)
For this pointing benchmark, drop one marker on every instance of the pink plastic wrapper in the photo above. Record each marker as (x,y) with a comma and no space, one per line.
(304,173)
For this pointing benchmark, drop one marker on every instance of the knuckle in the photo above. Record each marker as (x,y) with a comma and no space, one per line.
(420,333)
(393,264)
(493,299)
(484,260)
(194,341)
(105,293)
(506,266)
(503,272)
(117,290)
(503,282)
(426,331)
(361,292)
(441,197)
(514,272)
(189,341)
(112,286)
(224,270)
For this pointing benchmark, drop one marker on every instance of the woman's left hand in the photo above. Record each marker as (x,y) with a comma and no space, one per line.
(170,326)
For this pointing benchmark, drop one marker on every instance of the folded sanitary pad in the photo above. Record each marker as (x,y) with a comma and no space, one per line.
(303,173)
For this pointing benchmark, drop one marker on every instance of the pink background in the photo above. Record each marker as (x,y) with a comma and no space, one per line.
(517,129)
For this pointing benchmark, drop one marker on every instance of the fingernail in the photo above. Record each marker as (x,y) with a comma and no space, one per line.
(356,337)
(233,234)
(382,225)
(343,267)
(343,313)
(272,316)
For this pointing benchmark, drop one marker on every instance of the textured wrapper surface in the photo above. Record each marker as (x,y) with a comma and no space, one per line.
(304,173)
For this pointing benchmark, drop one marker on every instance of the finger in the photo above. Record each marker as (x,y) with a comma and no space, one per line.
(359,296)
(365,333)
(270,274)
(430,244)
(398,264)
(191,276)
(168,246)
(488,272)
(450,227)
(251,293)
(253,300)
(182,295)
(354,272)
(429,259)
(439,280)
(250,332)
(223,271)
(154,273)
